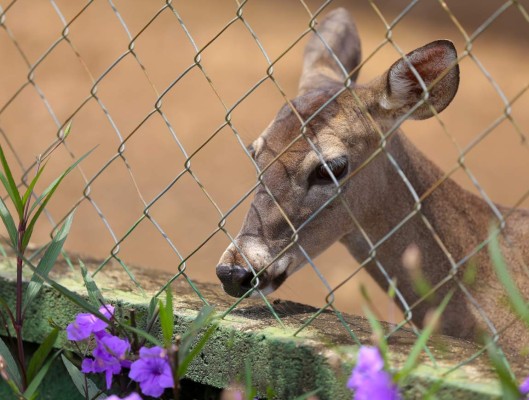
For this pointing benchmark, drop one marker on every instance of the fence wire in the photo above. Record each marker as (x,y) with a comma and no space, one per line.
(173,94)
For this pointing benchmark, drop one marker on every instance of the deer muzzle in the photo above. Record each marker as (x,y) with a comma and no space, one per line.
(236,280)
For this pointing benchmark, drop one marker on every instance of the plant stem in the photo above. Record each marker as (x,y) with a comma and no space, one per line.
(19,317)
(173,360)
(135,341)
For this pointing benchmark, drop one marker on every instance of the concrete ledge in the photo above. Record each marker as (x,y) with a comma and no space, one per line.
(322,356)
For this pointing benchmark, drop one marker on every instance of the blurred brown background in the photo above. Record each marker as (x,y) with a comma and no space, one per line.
(91,77)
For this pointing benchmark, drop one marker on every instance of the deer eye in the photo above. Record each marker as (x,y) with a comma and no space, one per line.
(338,167)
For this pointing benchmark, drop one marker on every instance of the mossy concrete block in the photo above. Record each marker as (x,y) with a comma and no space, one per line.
(320,357)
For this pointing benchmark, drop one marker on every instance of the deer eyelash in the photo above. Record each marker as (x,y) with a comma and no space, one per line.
(336,163)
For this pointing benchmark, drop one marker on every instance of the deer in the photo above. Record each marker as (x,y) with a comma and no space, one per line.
(334,166)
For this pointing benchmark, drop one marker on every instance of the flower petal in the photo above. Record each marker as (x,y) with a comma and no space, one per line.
(150,387)
(87,366)
(108,376)
(139,370)
(132,396)
(166,378)
(369,359)
(81,328)
(524,387)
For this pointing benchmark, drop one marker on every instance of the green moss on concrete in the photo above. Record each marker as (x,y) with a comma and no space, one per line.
(321,357)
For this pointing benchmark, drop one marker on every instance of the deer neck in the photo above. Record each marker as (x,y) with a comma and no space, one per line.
(449,224)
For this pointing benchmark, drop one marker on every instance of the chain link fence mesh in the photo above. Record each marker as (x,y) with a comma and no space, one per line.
(170,94)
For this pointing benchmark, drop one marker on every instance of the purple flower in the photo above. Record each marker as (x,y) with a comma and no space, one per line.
(152,371)
(132,396)
(85,324)
(524,387)
(109,357)
(369,380)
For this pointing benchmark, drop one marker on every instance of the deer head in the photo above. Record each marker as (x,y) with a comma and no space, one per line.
(320,175)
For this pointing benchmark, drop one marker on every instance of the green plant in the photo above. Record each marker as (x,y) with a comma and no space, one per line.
(509,384)
(400,376)
(120,351)
(23,377)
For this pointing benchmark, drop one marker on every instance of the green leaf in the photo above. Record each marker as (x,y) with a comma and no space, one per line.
(39,357)
(5,305)
(45,197)
(81,382)
(86,306)
(10,185)
(94,294)
(9,223)
(31,391)
(509,386)
(142,333)
(515,298)
(15,389)
(249,391)
(421,341)
(382,344)
(152,308)
(435,387)
(185,353)
(11,364)
(203,318)
(167,318)
(47,262)
(67,130)
(31,185)
(190,356)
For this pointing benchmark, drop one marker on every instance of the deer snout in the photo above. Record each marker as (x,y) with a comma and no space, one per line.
(236,280)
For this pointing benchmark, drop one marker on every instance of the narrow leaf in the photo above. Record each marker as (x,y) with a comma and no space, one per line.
(45,197)
(39,357)
(167,318)
(509,387)
(86,306)
(67,130)
(152,308)
(10,185)
(9,223)
(185,353)
(152,312)
(32,184)
(379,334)
(203,318)
(94,294)
(79,379)
(47,262)
(15,389)
(5,305)
(421,341)
(31,391)
(190,356)
(249,390)
(515,298)
(11,364)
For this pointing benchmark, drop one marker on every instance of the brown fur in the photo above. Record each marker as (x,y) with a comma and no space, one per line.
(447,224)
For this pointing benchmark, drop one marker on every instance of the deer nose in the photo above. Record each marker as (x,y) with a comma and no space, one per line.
(235,279)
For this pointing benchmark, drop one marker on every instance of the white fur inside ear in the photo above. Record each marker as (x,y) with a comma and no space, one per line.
(401,87)
(408,77)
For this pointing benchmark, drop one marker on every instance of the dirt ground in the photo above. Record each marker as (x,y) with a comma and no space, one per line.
(110,93)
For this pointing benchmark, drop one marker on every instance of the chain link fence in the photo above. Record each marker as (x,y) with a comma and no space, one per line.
(171,94)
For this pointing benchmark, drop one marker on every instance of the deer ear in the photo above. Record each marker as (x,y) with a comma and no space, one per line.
(336,42)
(436,64)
